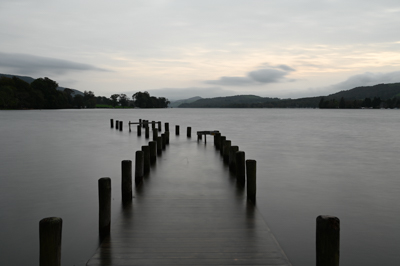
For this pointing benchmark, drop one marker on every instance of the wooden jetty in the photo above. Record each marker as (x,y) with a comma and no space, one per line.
(189,211)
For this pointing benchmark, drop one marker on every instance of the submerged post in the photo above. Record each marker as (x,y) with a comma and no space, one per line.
(251,173)
(155,134)
(189,132)
(120,125)
(328,240)
(159,126)
(104,206)
(116,124)
(139,165)
(50,230)
(153,151)
(166,137)
(221,144)
(147,132)
(226,149)
(177,130)
(126,182)
(153,125)
(139,130)
(112,123)
(164,141)
(217,140)
(232,158)
(240,167)
(146,159)
(166,126)
(159,145)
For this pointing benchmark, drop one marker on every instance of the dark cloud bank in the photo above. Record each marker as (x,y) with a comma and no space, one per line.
(32,64)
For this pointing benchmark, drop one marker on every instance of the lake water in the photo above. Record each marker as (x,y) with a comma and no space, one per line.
(310,162)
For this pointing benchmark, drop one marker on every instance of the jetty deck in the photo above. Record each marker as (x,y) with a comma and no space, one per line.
(189,211)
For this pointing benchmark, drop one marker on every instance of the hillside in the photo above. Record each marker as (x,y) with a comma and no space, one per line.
(29,80)
(177,103)
(381,95)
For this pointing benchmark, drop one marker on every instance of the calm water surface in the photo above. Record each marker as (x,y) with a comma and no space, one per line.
(310,162)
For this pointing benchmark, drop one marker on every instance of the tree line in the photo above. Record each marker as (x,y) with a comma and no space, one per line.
(374,103)
(42,93)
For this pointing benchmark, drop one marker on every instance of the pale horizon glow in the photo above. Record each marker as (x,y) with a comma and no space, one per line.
(186,48)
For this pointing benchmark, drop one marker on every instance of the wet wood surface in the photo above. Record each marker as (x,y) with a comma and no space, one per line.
(199,219)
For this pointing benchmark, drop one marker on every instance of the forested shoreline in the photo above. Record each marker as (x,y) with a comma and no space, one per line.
(42,93)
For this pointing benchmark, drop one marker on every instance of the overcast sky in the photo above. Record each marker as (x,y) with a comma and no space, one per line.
(180,49)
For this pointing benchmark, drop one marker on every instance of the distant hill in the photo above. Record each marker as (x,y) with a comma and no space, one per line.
(30,80)
(237,101)
(179,102)
(354,98)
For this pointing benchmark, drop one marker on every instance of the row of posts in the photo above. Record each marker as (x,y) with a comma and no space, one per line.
(327,230)
(241,167)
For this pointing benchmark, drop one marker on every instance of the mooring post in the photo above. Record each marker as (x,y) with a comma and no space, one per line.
(116,124)
(153,151)
(221,144)
(166,125)
(139,130)
(328,240)
(104,184)
(139,165)
(112,123)
(153,125)
(166,137)
(159,145)
(155,134)
(126,182)
(159,126)
(145,123)
(147,133)
(217,140)
(120,125)
(240,167)
(189,132)
(226,149)
(177,130)
(164,141)
(251,174)
(146,159)
(50,231)
(232,158)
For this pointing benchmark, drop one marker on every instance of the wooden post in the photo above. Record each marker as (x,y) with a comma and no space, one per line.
(146,159)
(159,126)
(112,123)
(153,151)
(199,137)
(232,158)
(328,240)
(166,127)
(126,181)
(147,132)
(139,130)
(153,125)
(120,125)
(50,230)
(217,140)
(240,167)
(226,149)
(159,145)
(221,144)
(116,124)
(155,134)
(104,206)
(251,174)
(139,165)
(164,141)
(145,123)
(166,137)
(189,132)
(177,130)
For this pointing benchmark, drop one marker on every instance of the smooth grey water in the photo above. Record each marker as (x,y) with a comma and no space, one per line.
(310,162)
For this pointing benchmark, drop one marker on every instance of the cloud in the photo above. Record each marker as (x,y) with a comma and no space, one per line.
(272,74)
(32,64)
